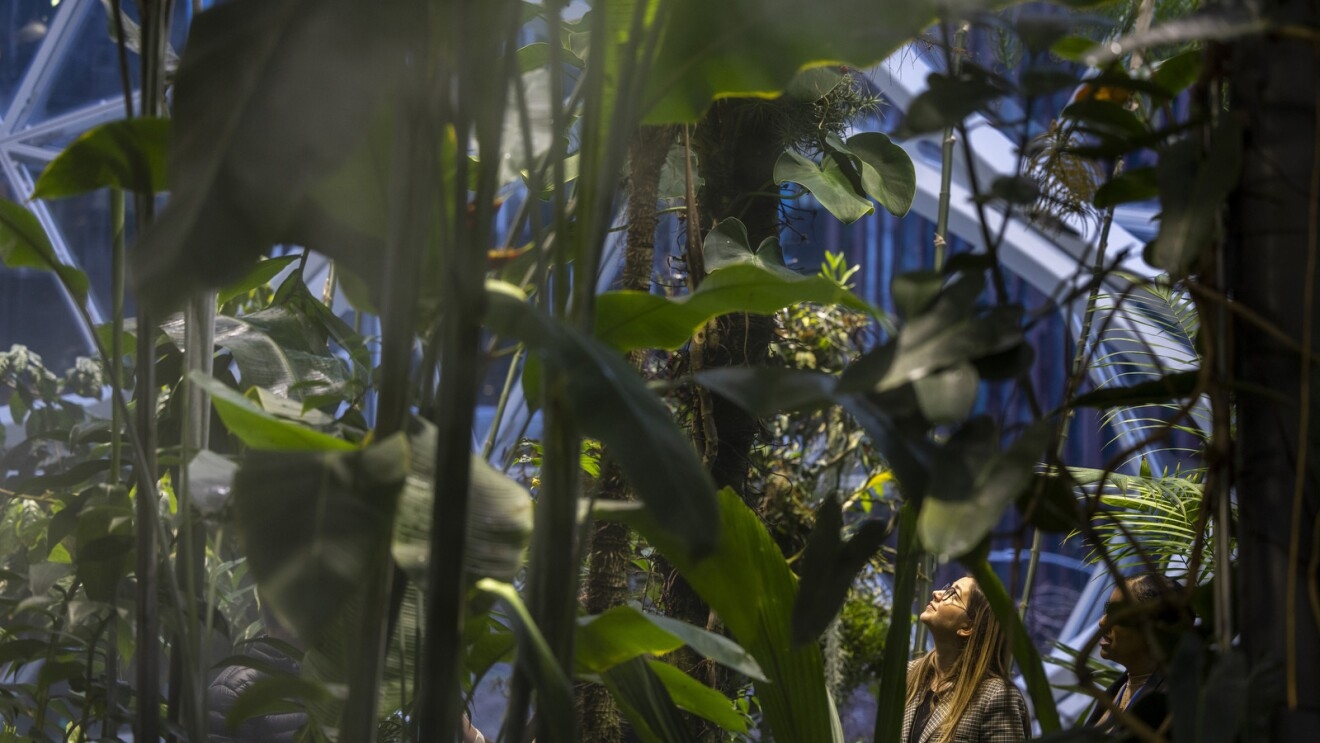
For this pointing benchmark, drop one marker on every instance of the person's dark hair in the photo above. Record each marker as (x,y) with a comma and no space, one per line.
(1160,598)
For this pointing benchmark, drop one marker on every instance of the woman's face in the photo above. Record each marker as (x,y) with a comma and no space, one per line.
(1123,643)
(946,613)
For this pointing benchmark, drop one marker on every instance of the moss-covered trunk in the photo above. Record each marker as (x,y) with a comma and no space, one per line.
(610,550)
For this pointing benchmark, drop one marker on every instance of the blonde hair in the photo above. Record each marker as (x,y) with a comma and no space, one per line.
(984,655)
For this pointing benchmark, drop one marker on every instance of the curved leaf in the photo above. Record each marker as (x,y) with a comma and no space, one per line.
(764,391)
(645,701)
(613,404)
(946,102)
(273,351)
(625,632)
(24,244)
(1194,186)
(748,583)
(499,516)
(888,175)
(127,154)
(261,274)
(631,319)
(972,483)
(315,525)
(271,96)
(829,567)
(259,429)
(828,182)
(618,635)
(690,695)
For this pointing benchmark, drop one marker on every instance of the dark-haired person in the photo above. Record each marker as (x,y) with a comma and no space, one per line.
(1140,690)
(962,691)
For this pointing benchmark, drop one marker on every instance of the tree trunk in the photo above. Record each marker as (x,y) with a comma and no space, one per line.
(737,151)
(611,545)
(1271,263)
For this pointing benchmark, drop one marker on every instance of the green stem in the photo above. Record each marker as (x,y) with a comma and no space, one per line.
(893,667)
(946,163)
(515,364)
(116,360)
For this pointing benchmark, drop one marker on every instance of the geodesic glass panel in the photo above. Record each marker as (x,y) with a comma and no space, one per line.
(85,70)
(23,26)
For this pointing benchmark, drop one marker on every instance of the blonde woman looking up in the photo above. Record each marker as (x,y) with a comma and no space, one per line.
(962,692)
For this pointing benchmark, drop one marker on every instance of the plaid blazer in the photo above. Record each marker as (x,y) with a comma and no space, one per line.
(997,714)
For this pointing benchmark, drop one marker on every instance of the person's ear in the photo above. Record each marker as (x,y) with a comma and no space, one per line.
(965,630)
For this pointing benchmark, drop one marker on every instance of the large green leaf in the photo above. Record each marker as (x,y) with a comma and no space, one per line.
(973,482)
(620,634)
(278,349)
(748,583)
(756,47)
(261,274)
(953,330)
(828,182)
(105,542)
(612,404)
(888,175)
(630,319)
(947,101)
(271,96)
(764,391)
(829,567)
(646,703)
(624,632)
(316,524)
(499,515)
(127,154)
(258,428)
(1193,187)
(727,244)
(24,244)
(693,696)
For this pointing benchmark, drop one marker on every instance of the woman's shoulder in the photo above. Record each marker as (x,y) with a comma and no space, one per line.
(997,690)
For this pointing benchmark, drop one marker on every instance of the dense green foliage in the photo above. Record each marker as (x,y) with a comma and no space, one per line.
(337,487)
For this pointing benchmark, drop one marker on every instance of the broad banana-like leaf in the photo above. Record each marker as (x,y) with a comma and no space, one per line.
(749,584)
(499,518)
(271,96)
(690,695)
(314,525)
(127,154)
